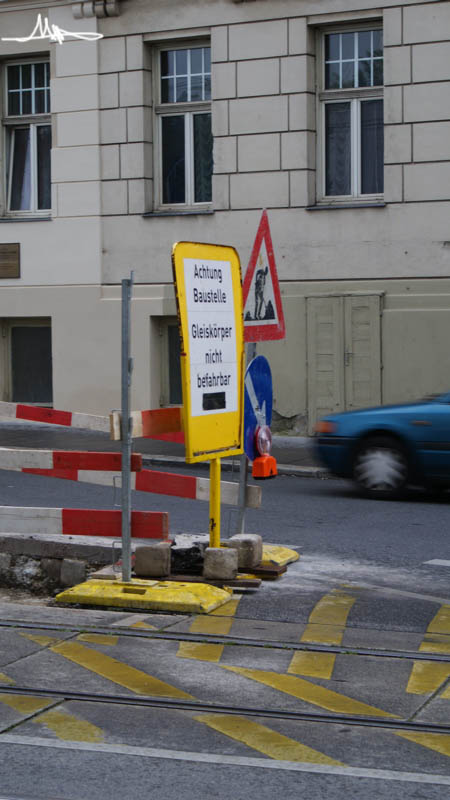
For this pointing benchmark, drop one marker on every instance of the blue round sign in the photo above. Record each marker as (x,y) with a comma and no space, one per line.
(257,402)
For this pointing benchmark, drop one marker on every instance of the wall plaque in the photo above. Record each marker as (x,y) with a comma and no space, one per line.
(9,260)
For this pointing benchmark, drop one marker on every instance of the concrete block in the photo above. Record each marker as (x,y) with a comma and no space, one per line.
(220,118)
(302,112)
(426,23)
(220,563)
(393,105)
(302,188)
(225,154)
(5,563)
(113,126)
(397,65)
(110,165)
(109,90)
(132,160)
(135,88)
(432,141)
(138,54)
(397,144)
(257,153)
(223,80)
(427,182)
(77,128)
(258,115)
(221,192)
(72,572)
(426,102)
(79,199)
(259,189)
(301,36)
(75,58)
(112,54)
(140,196)
(297,74)
(114,197)
(152,560)
(249,548)
(51,567)
(297,150)
(392,26)
(219,43)
(259,77)
(393,183)
(75,164)
(139,124)
(258,40)
(74,94)
(431,62)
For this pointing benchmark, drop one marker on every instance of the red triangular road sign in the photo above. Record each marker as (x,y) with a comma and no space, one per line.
(263,310)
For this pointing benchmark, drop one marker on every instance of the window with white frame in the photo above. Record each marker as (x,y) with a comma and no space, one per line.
(184,126)
(27,127)
(351,105)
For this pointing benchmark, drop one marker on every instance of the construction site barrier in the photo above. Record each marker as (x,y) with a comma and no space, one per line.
(83,522)
(51,416)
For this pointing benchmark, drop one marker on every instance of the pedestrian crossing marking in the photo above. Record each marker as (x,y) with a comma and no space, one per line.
(433,741)
(68,728)
(117,672)
(98,638)
(326,625)
(24,705)
(264,740)
(310,692)
(142,624)
(428,676)
(217,623)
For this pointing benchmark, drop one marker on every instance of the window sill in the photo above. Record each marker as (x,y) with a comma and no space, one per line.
(190,212)
(26,219)
(339,206)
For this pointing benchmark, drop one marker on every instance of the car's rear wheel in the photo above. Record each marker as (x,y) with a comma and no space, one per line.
(380,467)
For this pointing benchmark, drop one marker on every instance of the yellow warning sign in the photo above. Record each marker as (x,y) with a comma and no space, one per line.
(209,299)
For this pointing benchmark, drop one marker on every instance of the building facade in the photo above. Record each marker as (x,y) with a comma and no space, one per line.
(183,122)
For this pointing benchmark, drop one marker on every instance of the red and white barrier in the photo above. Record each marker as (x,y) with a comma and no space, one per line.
(83,522)
(159,423)
(14,458)
(167,483)
(51,416)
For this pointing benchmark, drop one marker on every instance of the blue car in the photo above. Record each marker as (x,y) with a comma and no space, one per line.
(384,449)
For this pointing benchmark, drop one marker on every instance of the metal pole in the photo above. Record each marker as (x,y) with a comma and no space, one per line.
(127,367)
(214,502)
(243,465)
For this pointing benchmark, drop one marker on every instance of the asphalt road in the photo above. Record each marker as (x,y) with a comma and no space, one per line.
(362,581)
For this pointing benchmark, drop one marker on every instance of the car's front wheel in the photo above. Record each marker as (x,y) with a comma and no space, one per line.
(380,467)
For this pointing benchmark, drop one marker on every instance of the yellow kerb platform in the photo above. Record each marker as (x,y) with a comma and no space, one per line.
(275,555)
(195,598)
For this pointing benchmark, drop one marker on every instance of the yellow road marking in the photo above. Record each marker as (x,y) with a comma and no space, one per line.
(310,693)
(434,741)
(217,623)
(69,728)
(98,638)
(4,678)
(326,625)
(427,676)
(264,740)
(24,705)
(117,672)
(142,624)
(45,641)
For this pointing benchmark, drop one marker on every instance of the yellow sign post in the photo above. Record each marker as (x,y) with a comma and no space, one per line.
(209,300)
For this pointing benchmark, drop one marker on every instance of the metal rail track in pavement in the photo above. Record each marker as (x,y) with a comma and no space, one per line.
(218,708)
(204,638)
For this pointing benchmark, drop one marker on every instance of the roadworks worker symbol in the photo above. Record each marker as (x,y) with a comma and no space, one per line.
(263,310)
